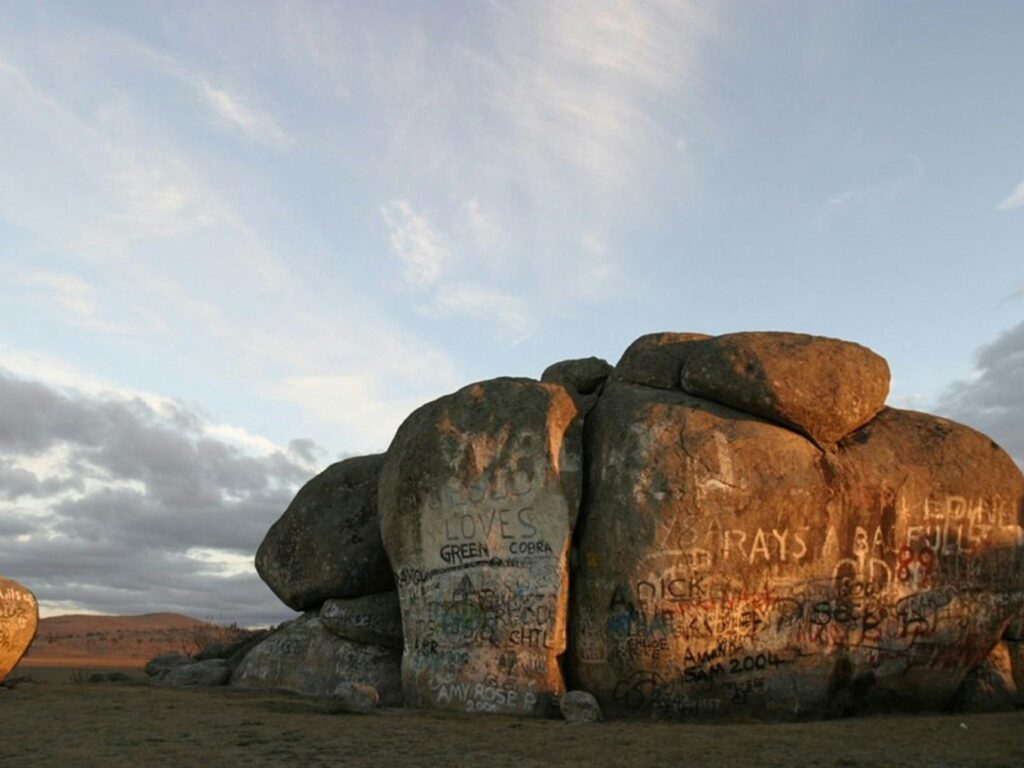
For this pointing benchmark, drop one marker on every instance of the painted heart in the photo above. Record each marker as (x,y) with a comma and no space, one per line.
(19,617)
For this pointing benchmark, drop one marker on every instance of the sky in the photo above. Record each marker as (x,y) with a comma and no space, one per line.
(242,240)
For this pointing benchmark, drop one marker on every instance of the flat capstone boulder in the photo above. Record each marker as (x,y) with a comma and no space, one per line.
(823,387)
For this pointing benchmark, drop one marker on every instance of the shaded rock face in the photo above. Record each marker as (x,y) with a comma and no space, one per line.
(656,359)
(990,686)
(825,388)
(586,375)
(478,499)
(19,617)
(304,657)
(730,568)
(373,619)
(327,543)
(208,672)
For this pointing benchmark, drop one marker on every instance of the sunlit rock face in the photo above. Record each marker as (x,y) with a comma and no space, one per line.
(730,568)
(478,498)
(327,543)
(822,387)
(19,617)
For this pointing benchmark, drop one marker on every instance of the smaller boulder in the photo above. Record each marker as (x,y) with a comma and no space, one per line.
(586,375)
(327,543)
(825,388)
(580,707)
(209,672)
(372,619)
(655,359)
(355,698)
(989,687)
(19,617)
(164,663)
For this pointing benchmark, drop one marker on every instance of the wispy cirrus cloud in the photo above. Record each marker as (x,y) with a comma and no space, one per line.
(417,244)
(233,110)
(1014,200)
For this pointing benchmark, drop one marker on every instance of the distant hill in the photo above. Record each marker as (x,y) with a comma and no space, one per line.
(116,641)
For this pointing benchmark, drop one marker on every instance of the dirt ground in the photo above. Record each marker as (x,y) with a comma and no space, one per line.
(60,720)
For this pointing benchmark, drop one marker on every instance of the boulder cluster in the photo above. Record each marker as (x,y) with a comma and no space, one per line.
(716,527)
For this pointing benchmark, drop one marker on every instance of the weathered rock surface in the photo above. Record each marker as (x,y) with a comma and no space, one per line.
(373,619)
(304,657)
(824,387)
(19,617)
(357,698)
(1015,650)
(586,375)
(165,662)
(478,498)
(990,686)
(579,707)
(656,359)
(327,543)
(728,567)
(209,672)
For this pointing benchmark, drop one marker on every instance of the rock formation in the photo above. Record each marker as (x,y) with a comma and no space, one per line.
(327,543)
(304,657)
(755,533)
(19,617)
(478,499)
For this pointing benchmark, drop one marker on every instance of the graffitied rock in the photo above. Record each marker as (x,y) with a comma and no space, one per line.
(327,543)
(19,617)
(586,375)
(579,707)
(655,359)
(478,498)
(932,543)
(824,387)
(729,568)
(693,510)
(373,619)
(304,657)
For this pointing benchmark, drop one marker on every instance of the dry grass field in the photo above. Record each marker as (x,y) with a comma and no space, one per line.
(59,720)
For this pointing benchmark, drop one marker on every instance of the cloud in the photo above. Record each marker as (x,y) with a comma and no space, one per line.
(993,401)
(1014,200)
(417,244)
(883,190)
(77,298)
(505,311)
(115,504)
(232,109)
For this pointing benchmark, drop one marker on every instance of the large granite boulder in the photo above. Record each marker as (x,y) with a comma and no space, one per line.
(373,619)
(730,568)
(19,618)
(304,657)
(478,499)
(824,387)
(990,686)
(656,359)
(327,543)
(197,673)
